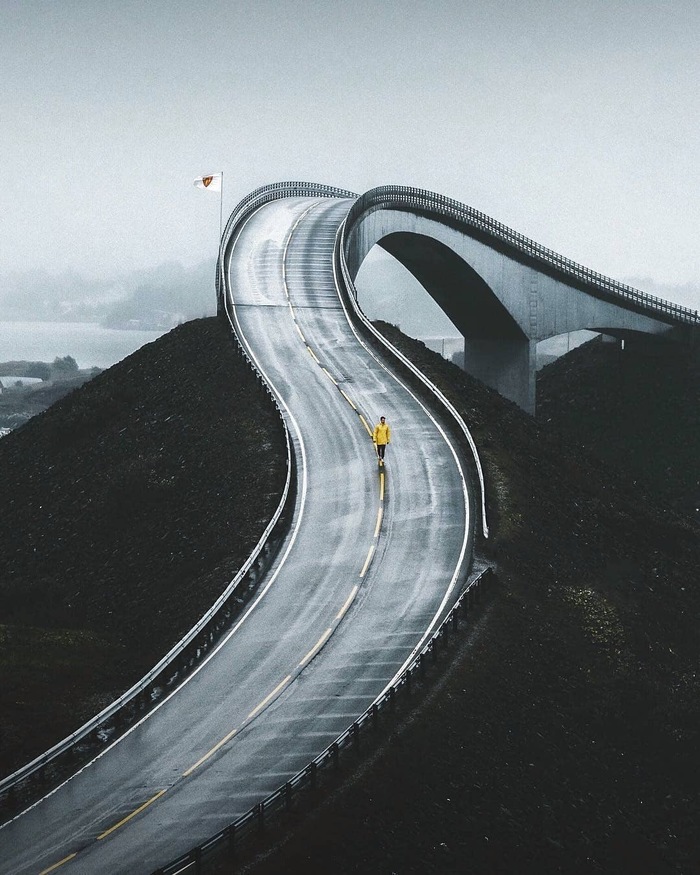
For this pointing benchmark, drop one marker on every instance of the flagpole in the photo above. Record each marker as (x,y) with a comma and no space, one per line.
(221,208)
(221,231)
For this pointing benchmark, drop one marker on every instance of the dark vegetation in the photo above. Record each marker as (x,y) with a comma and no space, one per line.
(563,734)
(125,510)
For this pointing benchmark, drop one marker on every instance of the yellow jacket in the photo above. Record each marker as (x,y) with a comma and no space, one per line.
(382,433)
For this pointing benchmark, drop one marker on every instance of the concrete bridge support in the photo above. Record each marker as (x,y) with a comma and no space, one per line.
(502,302)
(508,366)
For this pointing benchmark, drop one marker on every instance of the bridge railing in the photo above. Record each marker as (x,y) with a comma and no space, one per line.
(254,820)
(427,202)
(259,197)
(101,729)
(345,280)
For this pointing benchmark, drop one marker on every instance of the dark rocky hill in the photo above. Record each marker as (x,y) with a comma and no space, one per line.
(563,737)
(125,510)
(563,733)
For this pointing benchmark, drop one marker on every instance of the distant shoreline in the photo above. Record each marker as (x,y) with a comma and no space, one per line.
(89,343)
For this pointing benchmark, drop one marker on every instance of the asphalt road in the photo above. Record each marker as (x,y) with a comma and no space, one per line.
(373,561)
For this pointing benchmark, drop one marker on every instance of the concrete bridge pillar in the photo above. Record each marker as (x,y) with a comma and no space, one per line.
(501,292)
(507,365)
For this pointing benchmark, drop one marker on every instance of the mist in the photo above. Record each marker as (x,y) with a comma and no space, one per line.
(155,298)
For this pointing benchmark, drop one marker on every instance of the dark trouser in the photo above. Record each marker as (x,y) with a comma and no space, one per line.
(380,450)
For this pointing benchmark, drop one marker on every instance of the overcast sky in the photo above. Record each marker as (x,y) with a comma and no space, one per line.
(576,123)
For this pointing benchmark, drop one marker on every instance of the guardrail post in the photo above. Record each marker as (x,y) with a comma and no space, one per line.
(334,755)
(260,815)
(375,715)
(312,775)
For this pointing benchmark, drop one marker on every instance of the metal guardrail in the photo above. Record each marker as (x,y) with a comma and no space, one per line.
(174,666)
(427,202)
(253,821)
(351,293)
(257,198)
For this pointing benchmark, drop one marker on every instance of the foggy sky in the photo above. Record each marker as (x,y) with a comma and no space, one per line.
(576,123)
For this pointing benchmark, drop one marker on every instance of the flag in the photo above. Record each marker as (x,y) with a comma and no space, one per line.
(211,183)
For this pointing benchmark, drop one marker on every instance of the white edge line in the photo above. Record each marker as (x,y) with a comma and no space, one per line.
(465,495)
(244,617)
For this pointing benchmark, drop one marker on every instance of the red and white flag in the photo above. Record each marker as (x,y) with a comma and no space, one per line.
(210,183)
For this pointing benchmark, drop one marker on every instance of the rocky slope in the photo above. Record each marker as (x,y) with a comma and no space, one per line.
(125,510)
(563,734)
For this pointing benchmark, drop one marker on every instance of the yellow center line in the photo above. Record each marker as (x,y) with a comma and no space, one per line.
(330,376)
(381,486)
(269,696)
(348,399)
(379,522)
(352,595)
(133,814)
(313,354)
(56,865)
(367,561)
(319,644)
(210,752)
(364,422)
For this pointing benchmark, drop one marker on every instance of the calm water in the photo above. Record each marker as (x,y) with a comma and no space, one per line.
(89,344)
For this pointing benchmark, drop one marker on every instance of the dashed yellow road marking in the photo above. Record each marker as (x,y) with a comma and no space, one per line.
(56,865)
(317,646)
(341,612)
(349,400)
(210,752)
(269,696)
(367,561)
(129,816)
(379,522)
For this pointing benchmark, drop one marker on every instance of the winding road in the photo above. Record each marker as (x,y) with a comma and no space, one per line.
(373,560)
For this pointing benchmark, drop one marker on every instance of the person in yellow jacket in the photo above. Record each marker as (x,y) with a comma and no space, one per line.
(381,437)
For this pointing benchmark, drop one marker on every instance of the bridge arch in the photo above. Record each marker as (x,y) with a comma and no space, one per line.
(503,292)
(463,295)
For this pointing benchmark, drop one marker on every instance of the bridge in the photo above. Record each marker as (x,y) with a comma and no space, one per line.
(503,292)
